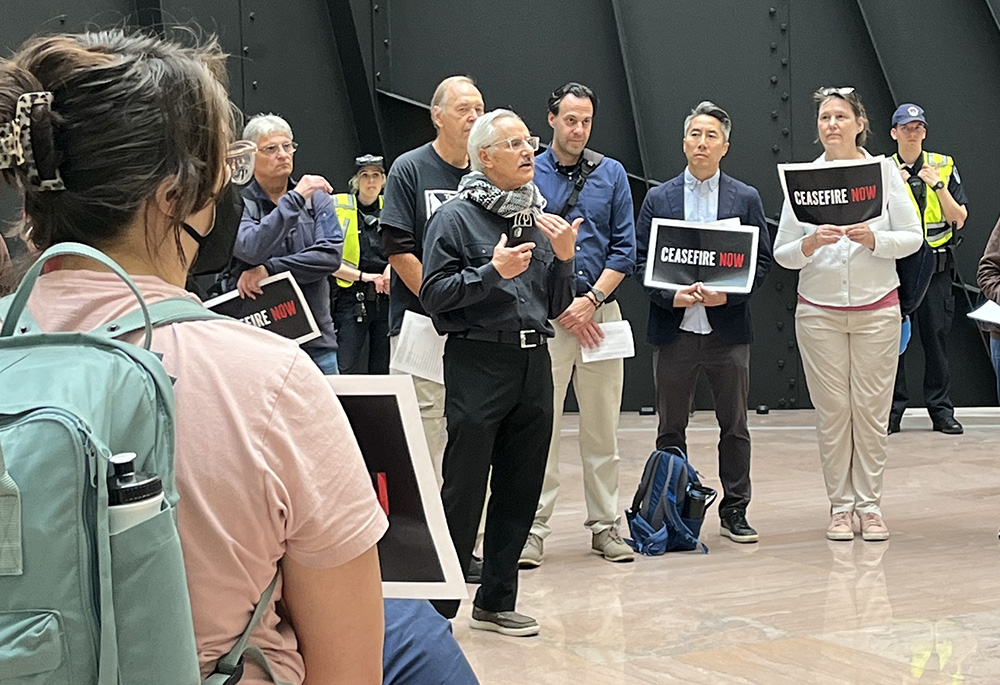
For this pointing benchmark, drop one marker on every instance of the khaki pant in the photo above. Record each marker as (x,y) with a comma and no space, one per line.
(598,388)
(850,364)
(430,400)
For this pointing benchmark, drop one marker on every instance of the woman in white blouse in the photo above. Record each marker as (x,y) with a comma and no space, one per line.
(847,323)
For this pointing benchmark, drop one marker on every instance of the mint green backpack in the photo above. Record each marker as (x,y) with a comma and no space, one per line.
(78,605)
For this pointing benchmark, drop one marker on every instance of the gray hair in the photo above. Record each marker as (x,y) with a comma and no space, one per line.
(484,133)
(709,108)
(440,97)
(263,125)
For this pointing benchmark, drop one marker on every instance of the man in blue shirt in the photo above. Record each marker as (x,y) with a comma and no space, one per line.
(289,226)
(579,183)
(697,329)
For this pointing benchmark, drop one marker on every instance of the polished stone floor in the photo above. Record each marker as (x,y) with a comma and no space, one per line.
(923,607)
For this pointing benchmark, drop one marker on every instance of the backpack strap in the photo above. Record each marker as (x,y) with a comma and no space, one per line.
(11,557)
(17,307)
(590,161)
(671,508)
(162,313)
(229,669)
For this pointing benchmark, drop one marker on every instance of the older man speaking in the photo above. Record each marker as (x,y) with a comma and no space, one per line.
(496,270)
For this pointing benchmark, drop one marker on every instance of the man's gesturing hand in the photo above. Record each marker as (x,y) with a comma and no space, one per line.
(561,234)
(511,261)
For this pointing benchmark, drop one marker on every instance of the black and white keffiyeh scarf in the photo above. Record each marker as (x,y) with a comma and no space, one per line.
(521,204)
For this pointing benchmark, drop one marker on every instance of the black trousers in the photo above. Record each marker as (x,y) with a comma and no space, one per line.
(727,367)
(933,320)
(353,334)
(498,400)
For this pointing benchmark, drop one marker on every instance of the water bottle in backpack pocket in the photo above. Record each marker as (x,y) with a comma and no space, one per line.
(669,506)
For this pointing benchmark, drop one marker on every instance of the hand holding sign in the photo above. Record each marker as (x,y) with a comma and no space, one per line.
(711,298)
(861,233)
(685,297)
(249,283)
(511,262)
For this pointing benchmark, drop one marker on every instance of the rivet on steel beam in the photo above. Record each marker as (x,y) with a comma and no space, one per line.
(774,46)
(775,149)
(790,306)
(378,75)
(253,16)
(780,325)
(774,80)
(772,11)
(784,96)
(254,85)
(385,42)
(774,114)
(375,8)
(785,132)
(783,26)
(784,61)
(781,363)
(246,49)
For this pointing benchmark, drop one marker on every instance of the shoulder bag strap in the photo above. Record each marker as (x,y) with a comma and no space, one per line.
(591,160)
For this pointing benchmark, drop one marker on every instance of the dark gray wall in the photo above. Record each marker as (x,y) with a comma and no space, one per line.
(350,89)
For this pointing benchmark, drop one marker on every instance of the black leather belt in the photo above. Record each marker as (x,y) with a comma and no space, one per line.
(524,339)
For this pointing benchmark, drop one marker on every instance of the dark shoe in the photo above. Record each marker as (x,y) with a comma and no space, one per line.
(735,527)
(893,425)
(474,574)
(949,427)
(503,622)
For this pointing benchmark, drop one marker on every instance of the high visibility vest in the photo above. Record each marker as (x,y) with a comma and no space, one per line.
(346,207)
(937,230)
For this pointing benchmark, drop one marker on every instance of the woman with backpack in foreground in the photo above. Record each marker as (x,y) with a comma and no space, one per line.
(120,142)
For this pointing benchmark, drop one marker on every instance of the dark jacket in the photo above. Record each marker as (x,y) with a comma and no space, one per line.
(988,275)
(730,321)
(296,235)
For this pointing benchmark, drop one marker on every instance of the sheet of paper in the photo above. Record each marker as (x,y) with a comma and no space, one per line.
(419,349)
(989,312)
(618,343)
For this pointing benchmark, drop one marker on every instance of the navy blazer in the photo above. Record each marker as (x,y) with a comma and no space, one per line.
(731,321)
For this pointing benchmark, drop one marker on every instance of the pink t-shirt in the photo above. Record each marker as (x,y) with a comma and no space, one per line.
(266,462)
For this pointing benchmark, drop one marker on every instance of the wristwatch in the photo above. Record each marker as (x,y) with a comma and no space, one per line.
(938,186)
(599,297)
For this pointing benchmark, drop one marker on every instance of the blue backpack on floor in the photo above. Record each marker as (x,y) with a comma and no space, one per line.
(669,506)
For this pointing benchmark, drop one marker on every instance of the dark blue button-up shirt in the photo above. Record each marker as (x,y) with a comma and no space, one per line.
(606,239)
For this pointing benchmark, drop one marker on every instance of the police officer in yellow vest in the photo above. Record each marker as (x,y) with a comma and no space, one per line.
(360,296)
(936,190)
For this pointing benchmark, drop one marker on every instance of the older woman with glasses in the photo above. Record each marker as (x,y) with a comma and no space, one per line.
(847,322)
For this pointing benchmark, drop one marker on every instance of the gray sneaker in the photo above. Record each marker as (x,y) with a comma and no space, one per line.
(609,544)
(503,622)
(531,555)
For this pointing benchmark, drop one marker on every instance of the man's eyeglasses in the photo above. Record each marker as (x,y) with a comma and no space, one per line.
(240,161)
(842,92)
(518,144)
(272,150)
